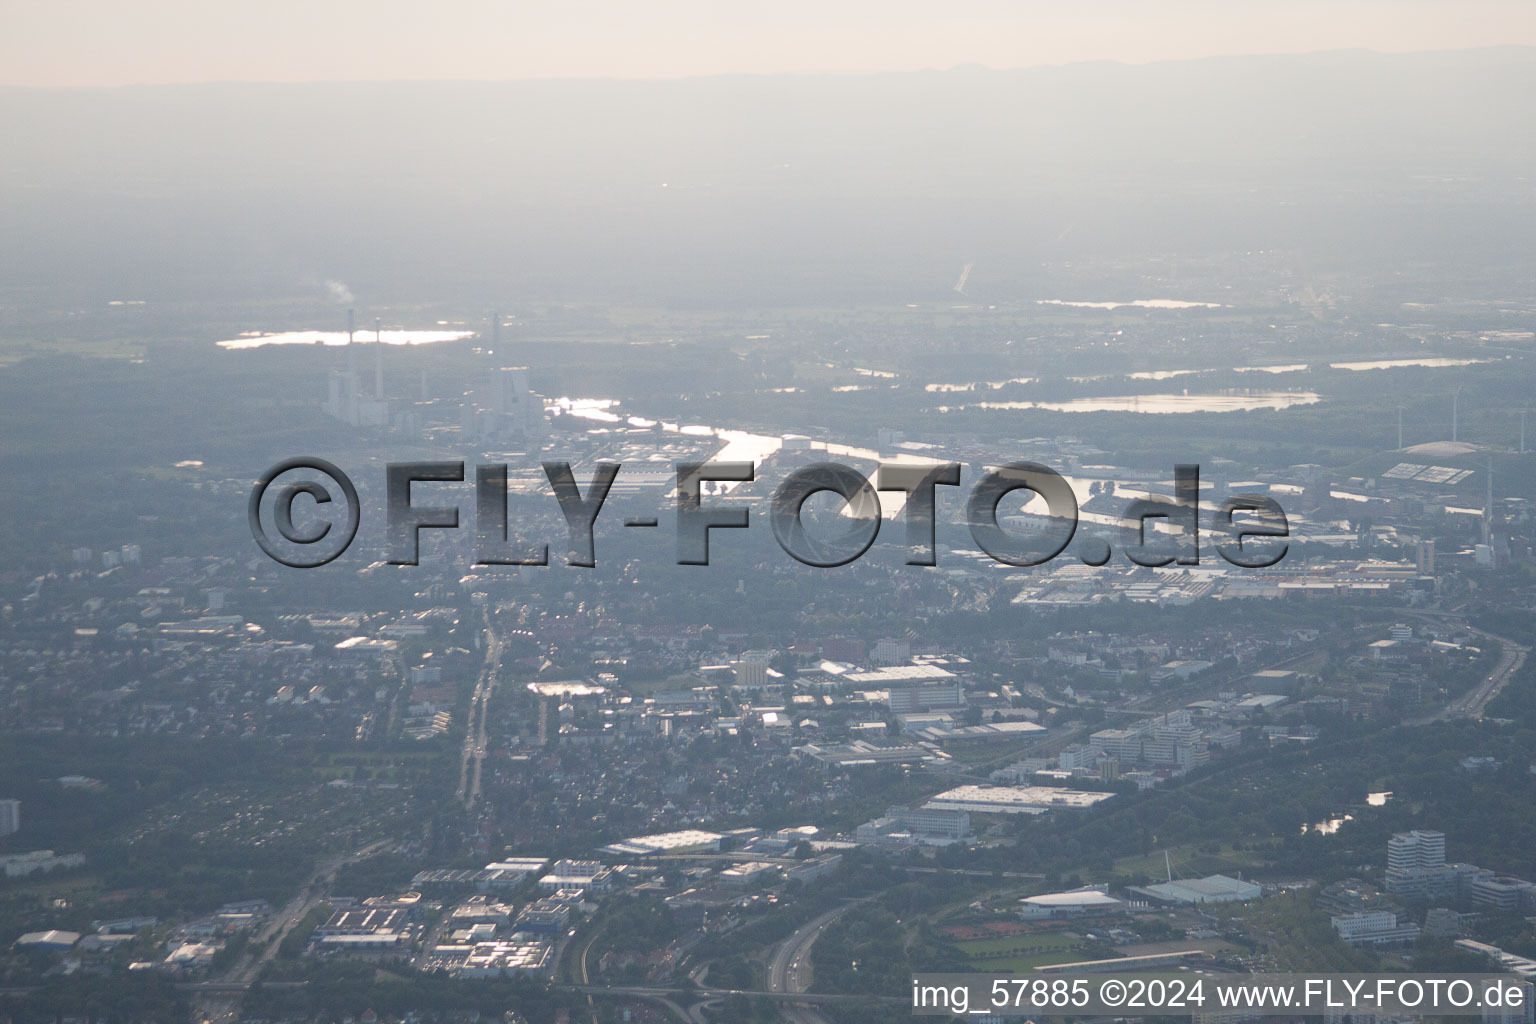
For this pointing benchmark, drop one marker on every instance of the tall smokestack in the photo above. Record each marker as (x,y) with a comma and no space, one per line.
(351,324)
(495,331)
(1488,507)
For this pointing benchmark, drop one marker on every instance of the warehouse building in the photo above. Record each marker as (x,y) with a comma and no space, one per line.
(1014,799)
(1212,889)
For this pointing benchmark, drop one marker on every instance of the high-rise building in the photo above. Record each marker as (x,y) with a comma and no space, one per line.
(751,672)
(10,817)
(926,696)
(1424,557)
(345,398)
(503,407)
(1075,757)
(346,402)
(341,394)
(1416,868)
(1417,849)
(891,651)
(955,824)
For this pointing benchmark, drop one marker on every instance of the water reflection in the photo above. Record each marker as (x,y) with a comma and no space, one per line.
(1389,364)
(1241,401)
(1136,303)
(256,339)
(1274,369)
(1331,825)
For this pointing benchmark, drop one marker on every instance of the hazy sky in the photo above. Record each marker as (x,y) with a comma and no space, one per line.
(112,42)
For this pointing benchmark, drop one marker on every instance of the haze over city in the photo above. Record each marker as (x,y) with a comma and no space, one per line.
(698,513)
(99,42)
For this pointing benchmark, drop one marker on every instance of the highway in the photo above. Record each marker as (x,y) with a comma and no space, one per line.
(217,999)
(789,972)
(788,999)
(1473,703)
(583,973)
(473,763)
(312,896)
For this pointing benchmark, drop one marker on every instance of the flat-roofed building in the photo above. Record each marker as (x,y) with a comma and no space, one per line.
(49,940)
(365,921)
(912,688)
(1375,928)
(510,872)
(1446,882)
(545,916)
(916,824)
(374,944)
(15,865)
(900,675)
(686,841)
(995,731)
(591,875)
(810,870)
(503,959)
(1014,799)
(1503,893)
(862,753)
(479,910)
(527,865)
(748,873)
(1259,702)
(1502,961)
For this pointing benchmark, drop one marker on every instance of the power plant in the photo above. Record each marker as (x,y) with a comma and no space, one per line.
(499,407)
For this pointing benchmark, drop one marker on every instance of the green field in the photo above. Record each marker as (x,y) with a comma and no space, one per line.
(1021,952)
(1005,943)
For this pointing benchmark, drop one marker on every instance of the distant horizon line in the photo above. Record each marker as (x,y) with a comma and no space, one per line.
(967,67)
